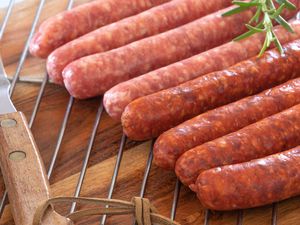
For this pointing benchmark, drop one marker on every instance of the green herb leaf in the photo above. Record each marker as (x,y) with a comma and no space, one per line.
(288,4)
(245,35)
(264,48)
(248,33)
(235,11)
(278,44)
(256,16)
(266,13)
(284,23)
(246,4)
(278,11)
(254,29)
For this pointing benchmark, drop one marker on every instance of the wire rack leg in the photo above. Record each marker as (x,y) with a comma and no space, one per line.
(274,213)
(60,136)
(26,48)
(240,216)
(3,202)
(65,120)
(38,101)
(175,199)
(206,217)
(147,170)
(146,174)
(6,17)
(116,172)
(87,156)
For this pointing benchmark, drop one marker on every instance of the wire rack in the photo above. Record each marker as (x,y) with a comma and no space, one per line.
(239,219)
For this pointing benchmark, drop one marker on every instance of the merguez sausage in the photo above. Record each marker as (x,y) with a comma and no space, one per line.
(82,19)
(265,137)
(251,184)
(117,98)
(224,120)
(93,75)
(153,21)
(151,115)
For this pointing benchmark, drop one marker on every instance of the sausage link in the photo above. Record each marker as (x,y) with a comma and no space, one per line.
(117,98)
(153,21)
(93,75)
(68,25)
(151,115)
(265,137)
(224,120)
(251,184)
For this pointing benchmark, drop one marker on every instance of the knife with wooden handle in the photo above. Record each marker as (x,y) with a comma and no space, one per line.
(21,165)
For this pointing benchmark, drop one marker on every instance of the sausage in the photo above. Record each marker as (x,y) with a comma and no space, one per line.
(268,136)
(251,184)
(224,120)
(153,21)
(151,115)
(68,25)
(93,75)
(117,98)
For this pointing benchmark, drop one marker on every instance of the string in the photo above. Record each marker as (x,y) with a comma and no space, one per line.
(141,208)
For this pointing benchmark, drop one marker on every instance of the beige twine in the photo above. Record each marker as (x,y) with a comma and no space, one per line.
(144,212)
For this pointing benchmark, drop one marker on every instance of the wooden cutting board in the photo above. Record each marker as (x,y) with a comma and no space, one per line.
(160,186)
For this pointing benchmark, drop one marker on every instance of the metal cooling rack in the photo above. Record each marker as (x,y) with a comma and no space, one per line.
(239,220)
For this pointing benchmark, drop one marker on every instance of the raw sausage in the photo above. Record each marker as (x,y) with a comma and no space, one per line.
(117,98)
(224,120)
(265,137)
(251,184)
(82,19)
(151,115)
(93,75)
(153,21)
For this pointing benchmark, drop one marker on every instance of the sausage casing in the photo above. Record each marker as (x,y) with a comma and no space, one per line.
(223,120)
(271,135)
(251,184)
(93,75)
(149,116)
(117,98)
(153,21)
(68,25)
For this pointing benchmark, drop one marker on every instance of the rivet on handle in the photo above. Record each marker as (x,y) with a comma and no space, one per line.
(17,155)
(8,123)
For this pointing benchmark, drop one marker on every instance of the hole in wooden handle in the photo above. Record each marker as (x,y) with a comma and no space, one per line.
(17,155)
(8,123)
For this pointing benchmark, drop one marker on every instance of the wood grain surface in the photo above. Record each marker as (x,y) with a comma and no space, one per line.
(160,186)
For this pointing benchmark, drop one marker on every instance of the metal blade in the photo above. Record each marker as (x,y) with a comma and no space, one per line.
(6,105)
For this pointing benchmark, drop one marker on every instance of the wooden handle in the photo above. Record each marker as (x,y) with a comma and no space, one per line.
(23,171)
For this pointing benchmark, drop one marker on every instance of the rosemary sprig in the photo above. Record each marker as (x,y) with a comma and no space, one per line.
(262,21)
